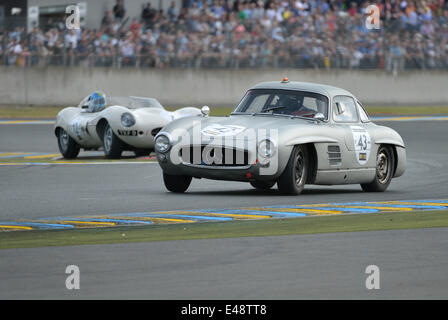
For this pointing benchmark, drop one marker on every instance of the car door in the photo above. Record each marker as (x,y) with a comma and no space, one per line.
(357,138)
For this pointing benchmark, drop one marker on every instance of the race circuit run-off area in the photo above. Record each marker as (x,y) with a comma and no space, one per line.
(43,191)
(221,215)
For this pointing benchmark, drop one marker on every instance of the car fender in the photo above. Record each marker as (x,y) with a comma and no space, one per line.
(385,135)
(146,120)
(73,119)
(186,112)
(64,118)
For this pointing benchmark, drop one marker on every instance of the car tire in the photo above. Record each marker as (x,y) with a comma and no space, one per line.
(113,146)
(67,145)
(262,185)
(142,152)
(177,184)
(385,164)
(292,180)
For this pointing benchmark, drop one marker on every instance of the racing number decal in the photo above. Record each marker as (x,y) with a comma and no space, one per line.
(77,128)
(222,130)
(361,139)
(362,142)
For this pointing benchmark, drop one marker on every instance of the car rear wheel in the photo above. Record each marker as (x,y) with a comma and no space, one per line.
(177,184)
(293,179)
(262,185)
(385,163)
(113,146)
(67,145)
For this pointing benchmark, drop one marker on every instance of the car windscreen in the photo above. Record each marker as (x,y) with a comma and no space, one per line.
(134,102)
(286,102)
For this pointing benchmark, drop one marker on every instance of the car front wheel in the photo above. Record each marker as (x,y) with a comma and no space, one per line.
(67,145)
(385,163)
(113,146)
(177,184)
(293,179)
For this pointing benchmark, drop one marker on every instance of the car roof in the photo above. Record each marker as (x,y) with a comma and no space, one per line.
(303,86)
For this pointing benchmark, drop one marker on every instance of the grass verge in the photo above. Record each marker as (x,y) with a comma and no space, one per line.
(407,110)
(233,229)
(38,112)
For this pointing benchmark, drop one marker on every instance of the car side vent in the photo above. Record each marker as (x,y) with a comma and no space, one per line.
(334,155)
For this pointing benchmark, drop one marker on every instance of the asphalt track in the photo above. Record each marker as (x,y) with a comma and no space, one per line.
(413,262)
(74,190)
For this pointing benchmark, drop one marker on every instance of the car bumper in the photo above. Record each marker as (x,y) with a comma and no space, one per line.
(245,173)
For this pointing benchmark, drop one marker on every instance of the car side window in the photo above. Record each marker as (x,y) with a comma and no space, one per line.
(362,113)
(344,109)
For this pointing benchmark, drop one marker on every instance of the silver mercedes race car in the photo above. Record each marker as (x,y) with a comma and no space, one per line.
(289,133)
(115,125)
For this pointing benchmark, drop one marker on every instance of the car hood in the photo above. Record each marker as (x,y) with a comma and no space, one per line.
(239,126)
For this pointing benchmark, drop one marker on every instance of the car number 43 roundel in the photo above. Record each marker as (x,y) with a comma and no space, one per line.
(362,144)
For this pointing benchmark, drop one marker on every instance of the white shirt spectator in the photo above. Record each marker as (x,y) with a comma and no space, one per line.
(266,22)
(356,59)
(127,49)
(71,40)
(53,37)
(17,49)
(257,13)
(271,13)
(427,29)
(413,18)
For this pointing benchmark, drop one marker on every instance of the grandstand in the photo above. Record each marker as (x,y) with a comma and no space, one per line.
(319,34)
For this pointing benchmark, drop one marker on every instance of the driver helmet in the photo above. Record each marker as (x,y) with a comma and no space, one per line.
(96,101)
(289,105)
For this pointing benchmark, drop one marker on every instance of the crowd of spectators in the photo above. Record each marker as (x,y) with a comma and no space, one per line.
(245,34)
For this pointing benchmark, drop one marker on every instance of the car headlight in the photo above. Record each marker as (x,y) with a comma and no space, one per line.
(163,143)
(266,148)
(127,119)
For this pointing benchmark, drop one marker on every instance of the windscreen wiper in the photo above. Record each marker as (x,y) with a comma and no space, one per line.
(272,108)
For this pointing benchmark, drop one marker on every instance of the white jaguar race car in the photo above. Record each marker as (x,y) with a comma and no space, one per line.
(120,124)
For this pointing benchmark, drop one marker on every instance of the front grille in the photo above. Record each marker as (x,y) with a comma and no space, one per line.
(214,156)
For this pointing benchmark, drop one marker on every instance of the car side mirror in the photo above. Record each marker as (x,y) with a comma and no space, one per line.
(319,116)
(205,110)
(340,108)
